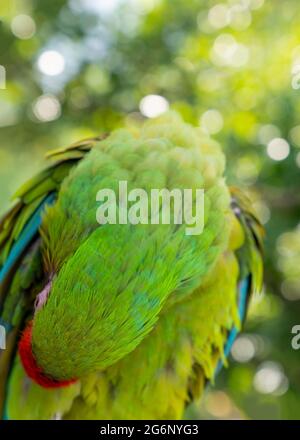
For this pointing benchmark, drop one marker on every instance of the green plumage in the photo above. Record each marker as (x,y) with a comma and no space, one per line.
(138,313)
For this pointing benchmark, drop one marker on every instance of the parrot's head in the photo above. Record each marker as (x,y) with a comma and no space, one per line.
(112,282)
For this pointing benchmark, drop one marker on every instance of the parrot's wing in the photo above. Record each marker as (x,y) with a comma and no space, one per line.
(250,258)
(249,255)
(20,259)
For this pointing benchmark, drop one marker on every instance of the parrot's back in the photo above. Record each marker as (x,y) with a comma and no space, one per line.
(184,297)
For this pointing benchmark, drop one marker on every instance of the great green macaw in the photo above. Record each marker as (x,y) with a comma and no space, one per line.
(122,321)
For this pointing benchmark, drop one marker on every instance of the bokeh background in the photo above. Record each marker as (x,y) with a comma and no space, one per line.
(79,67)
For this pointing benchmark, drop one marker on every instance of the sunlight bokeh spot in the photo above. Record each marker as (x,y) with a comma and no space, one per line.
(23,26)
(270,379)
(153,105)
(240,17)
(47,108)
(243,349)
(51,62)
(278,149)
(212,121)
(218,16)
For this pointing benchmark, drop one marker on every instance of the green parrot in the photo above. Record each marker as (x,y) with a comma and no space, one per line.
(122,321)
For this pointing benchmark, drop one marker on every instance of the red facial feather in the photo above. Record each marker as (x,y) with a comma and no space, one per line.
(31,367)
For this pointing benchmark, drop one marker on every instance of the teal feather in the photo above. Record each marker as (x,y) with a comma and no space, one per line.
(25,237)
(244,292)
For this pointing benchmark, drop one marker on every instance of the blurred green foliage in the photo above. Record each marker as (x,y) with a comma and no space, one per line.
(79,67)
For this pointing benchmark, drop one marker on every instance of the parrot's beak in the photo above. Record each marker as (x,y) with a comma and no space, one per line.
(31,366)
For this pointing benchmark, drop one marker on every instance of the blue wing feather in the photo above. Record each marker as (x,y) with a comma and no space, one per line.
(25,237)
(243,290)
